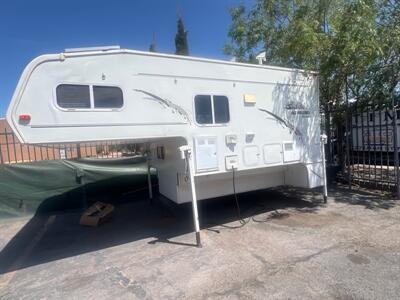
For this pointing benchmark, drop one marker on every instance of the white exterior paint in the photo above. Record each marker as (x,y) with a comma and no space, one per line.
(266,151)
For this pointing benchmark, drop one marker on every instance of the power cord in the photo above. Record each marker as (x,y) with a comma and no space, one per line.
(241,220)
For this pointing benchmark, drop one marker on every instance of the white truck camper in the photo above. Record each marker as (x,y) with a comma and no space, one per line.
(205,122)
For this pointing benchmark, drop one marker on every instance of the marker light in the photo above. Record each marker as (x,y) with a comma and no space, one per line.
(25,118)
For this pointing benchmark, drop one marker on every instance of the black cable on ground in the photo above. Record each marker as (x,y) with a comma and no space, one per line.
(241,220)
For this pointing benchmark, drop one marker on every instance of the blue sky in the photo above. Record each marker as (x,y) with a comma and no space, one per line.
(31,28)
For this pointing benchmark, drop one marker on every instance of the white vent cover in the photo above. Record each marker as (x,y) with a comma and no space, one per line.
(251,156)
(272,153)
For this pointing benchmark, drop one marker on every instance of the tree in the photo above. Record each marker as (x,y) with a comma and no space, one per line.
(353,44)
(385,73)
(152,47)
(181,43)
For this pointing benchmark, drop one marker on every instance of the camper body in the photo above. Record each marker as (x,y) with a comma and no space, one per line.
(256,123)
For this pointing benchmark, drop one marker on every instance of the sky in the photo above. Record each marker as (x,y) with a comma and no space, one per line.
(33,27)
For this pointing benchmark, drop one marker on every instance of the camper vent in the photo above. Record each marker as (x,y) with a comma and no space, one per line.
(88,49)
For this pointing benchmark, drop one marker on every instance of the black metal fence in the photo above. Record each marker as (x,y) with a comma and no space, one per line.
(12,151)
(363,141)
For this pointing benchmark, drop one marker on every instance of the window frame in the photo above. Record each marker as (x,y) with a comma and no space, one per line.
(213,124)
(91,93)
(108,86)
(213,109)
(73,108)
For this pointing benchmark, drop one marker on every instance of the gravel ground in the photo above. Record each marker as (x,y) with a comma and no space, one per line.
(292,246)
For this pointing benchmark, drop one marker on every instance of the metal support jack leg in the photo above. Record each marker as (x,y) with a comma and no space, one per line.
(187,155)
(323,142)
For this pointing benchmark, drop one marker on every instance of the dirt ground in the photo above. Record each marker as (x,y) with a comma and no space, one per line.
(292,246)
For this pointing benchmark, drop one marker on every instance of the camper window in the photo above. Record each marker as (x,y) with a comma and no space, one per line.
(203,108)
(211,109)
(73,96)
(221,109)
(107,97)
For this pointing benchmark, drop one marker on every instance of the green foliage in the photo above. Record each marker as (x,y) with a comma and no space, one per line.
(354,44)
(181,43)
(152,47)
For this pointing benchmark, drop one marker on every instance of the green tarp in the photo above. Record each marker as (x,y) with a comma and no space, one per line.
(59,185)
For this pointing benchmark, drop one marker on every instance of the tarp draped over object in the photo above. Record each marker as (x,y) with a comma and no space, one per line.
(59,185)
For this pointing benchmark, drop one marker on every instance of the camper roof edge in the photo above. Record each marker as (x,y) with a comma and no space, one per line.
(181,57)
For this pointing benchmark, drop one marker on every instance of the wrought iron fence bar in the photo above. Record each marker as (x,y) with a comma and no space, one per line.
(34,153)
(388,142)
(22,151)
(363,139)
(1,154)
(15,148)
(29,152)
(357,145)
(396,152)
(41,153)
(381,145)
(47,152)
(374,134)
(8,148)
(369,143)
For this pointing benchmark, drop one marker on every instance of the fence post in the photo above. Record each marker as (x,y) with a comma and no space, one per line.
(395,149)
(323,141)
(327,124)
(15,147)
(78,150)
(7,144)
(348,115)
(1,152)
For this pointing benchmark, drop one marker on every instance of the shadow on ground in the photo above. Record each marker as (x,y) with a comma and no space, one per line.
(357,196)
(53,236)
